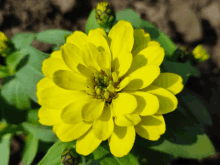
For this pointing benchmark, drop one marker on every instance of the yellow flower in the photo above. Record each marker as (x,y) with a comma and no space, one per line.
(200,54)
(3,44)
(100,87)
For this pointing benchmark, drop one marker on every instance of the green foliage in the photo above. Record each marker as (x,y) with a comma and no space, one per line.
(53,155)
(29,72)
(3,71)
(5,149)
(92,162)
(43,133)
(21,40)
(30,149)
(91,22)
(53,36)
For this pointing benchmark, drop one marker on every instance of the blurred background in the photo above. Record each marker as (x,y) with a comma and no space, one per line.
(187,22)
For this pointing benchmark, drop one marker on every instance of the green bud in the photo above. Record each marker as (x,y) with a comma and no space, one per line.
(180,55)
(68,157)
(104,14)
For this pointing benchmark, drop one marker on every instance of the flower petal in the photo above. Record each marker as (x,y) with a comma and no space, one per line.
(51,65)
(104,125)
(87,143)
(43,84)
(168,102)
(90,53)
(78,38)
(127,120)
(69,132)
(56,54)
(49,116)
(122,63)
(148,104)
(141,40)
(69,80)
(104,61)
(97,37)
(152,55)
(151,127)
(121,37)
(143,77)
(123,104)
(57,98)
(72,114)
(123,83)
(122,140)
(93,109)
(170,81)
(72,56)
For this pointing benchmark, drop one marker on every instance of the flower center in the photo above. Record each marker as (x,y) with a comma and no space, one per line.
(102,86)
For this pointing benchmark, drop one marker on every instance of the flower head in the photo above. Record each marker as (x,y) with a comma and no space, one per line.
(3,43)
(200,54)
(107,87)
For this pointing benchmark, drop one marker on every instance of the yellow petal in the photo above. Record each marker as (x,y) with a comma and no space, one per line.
(151,127)
(72,114)
(143,77)
(127,120)
(141,40)
(57,98)
(56,54)
(122,140)
(93,109)
(78,38)
(123,104)
(69,80)
(121,37)
(69,132)
(123,83)
(72,56)
(87,143)
(104,61)
(51,65)
(168,102)
(43,84)
(90,56)
(153,55)
(49,116)
(122,62)
(170,81)
(97,37)
(104,125)
(148,104)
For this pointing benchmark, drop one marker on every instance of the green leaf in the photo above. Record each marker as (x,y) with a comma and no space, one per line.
(14,94)
(195,105)
(92,162)
(101,151)
(53,155)
(128,159)
(29,73)
(3,71)
(108,160)
(5,149)
(53,36)
(182,69)
(43,133)
(13,60)
(91,22)
(200,149)
(21,40)
(30,149)
(131,16)
(33,116)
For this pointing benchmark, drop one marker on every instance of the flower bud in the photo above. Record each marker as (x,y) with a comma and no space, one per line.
(180,55)
(6,46)
(200,54)
(104,14)
(68,157)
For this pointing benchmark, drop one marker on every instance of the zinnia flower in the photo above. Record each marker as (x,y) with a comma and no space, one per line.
(100,87)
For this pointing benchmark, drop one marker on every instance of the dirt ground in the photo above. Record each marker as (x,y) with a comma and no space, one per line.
(187,22)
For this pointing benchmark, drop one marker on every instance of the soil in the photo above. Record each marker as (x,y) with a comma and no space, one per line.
(187,22)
